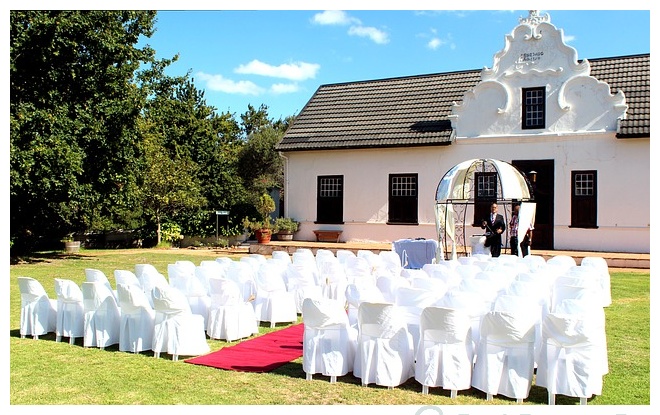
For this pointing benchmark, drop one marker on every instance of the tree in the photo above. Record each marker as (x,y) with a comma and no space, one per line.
(168,187)
(73,120)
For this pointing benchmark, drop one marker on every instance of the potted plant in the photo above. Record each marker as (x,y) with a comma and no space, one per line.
(285,228)
(263,230)
(70,245)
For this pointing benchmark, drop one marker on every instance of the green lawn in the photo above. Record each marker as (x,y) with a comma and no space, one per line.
(46,372)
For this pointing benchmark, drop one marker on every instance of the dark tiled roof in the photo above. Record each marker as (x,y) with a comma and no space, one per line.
(413,110)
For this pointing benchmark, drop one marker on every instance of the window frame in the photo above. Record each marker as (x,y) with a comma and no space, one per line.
(482,202)
(536,122)
(584,206)
(403,209)
(329,209)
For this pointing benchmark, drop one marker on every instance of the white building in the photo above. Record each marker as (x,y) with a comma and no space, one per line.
(366,157)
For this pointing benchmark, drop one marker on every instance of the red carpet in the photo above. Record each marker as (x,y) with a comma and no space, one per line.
(261,354)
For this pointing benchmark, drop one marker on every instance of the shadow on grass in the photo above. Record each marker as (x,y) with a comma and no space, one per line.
(46,256)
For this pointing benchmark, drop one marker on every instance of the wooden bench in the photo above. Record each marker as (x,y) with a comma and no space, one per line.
(327,235)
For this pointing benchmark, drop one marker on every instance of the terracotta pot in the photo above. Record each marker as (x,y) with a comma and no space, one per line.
(263,235)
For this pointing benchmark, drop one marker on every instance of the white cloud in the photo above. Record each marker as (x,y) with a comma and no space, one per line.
(298,71)
(435,43)
(374,34)
(334,17)
(284,88)
(569,38)
(219,83)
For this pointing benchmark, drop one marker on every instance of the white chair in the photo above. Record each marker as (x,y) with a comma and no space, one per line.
(102,317)
(385,353)
(333,279)
(471,303)
(243,275)
(410,303)
(448,275)
(149,280)
(596,268)
(177,331)
(38,311)
(505,355)
(446,351)
(123,276)
(92,275)
(136,330)
(70,314)
(468,271)
(388,286)
(329,343)
(323,255)
(140,269)
(230,316)
(273,302)
(281,256)
(389,264)
(571,355)
(562,262)
(357,267)
(301,280)
(343,254)
(182,277)
(357,294)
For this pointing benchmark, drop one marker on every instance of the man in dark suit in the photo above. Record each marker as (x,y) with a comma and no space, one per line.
(494,226)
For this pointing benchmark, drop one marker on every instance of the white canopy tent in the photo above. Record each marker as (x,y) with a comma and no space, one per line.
(462,187)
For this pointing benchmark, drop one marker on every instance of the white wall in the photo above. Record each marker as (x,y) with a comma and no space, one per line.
(622,170)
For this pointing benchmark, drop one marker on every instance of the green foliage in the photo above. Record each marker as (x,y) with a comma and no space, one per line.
(171,232)
(285,225)
(102,139)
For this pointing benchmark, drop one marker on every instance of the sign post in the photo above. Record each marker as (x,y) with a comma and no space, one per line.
(219,213)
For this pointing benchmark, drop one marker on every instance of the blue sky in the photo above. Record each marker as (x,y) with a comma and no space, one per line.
(280,57)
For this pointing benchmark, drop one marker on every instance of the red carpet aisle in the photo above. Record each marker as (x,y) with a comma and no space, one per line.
(261,354)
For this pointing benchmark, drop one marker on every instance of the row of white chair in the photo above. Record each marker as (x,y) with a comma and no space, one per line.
(382,350)
(92,312)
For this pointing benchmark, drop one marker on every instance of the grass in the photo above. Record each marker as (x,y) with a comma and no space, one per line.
(45,372)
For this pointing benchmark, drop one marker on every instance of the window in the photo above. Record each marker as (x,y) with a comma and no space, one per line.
(533,108)
(330,199)
(402,199)
(485,194)
(583,199)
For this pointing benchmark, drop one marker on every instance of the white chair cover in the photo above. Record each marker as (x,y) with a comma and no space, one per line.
(102,317)
(140,269)
(385,353)
(182,277)
(333,277)
(242,274)
(136,330)
(92,275)
(123,276)
(468,271)
(357,294)
(448,275)
(388,286)
(505,354)
(38,311)
(446,351)
(273,302)
(470,302)
(563,262)
(343,254)
(390,264)
(230,316)
(411,302)
(571,355)
(301,280)
(70,314)
(358,267)
(282,256)
(329,343)
(150,279)
(177,331)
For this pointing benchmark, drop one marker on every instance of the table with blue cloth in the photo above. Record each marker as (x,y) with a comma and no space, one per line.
(415,253)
